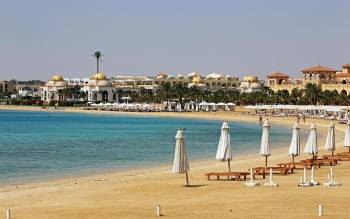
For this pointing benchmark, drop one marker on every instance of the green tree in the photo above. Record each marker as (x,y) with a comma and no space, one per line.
(312,92)
(98,56)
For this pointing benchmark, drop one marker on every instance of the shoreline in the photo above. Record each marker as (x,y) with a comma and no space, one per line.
(83,173)
(148,186)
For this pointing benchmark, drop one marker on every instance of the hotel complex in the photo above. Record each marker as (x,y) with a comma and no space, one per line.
(100,88)
(327,78)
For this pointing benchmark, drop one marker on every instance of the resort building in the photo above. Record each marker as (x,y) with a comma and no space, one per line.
(52,91)
(96,88)
(99,88)
(213,81)
(250,84)
(327,78)
(7,87)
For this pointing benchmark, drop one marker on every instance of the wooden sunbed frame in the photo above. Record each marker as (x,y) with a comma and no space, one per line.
(237,176)
(275,170)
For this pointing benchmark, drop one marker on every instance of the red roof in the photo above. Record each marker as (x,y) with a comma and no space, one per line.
(346,65)
(319,68)
(278,75)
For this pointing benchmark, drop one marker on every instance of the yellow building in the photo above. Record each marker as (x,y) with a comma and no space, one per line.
(327,78)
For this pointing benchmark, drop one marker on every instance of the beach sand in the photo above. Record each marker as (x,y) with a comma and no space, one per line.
(135,193)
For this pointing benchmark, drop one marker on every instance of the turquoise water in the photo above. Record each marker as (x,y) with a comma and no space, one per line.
(36,145)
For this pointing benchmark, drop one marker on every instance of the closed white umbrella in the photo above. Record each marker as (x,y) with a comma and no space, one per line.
(180,158)
(294,149)
(347,135)
(330,140)
(265,141)
(224,152)
(311,144)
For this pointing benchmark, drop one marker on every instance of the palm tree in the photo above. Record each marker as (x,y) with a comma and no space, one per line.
(180,91)
(166,88)
(98,55)
(312,91)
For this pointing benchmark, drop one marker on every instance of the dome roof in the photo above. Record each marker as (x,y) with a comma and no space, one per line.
(57,78)
(193,74)
(250,78)
(215,75)
(98,76)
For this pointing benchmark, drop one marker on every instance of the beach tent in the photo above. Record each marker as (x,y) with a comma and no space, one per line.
(330,140)
(347,135)
(265,141)
(311,144)
(294,149)
(180,158)
(224,152)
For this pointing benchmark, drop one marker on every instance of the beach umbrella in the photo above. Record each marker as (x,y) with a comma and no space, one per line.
(330,140)
(224,152)
(347,135)
(265,141)
(180,158)
(311,144)
(294,149)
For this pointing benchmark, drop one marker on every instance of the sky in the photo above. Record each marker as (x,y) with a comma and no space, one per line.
(40,38)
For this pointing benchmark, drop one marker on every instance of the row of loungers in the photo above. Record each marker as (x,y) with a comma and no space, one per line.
(282,168)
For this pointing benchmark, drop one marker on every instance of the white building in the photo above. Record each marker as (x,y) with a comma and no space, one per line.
(51,90)
(96,88)
(250,84)
(99,88)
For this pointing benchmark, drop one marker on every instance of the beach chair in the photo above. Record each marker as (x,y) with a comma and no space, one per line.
(236,176)
(275,170)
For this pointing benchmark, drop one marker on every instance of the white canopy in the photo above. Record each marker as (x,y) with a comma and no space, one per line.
(347,135)
(330,141)
(180,158)
(311,145)
(294,149)
(265,140)
(224,152)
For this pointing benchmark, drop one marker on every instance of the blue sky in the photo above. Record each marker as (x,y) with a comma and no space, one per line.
(40,38)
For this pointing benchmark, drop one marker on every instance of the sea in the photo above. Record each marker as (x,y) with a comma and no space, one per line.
(37,145)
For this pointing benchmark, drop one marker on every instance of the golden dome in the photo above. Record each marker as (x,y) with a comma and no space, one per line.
(251,78)
(196,79)
(57,78)
(98,76)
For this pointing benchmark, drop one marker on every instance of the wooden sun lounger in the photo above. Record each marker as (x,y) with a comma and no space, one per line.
(337,157)
(319,162)
(293,166)
(266,170)
(237,176)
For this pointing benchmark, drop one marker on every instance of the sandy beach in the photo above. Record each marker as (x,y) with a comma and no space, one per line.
(135,193)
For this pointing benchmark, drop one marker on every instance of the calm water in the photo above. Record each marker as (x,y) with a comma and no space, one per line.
(37,145)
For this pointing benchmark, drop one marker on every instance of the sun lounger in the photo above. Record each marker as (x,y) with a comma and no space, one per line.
(236,176)
(340,157)
(292,166)
(266,170)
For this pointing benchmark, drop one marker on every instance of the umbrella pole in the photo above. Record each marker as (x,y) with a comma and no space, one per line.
(332,153)
(266,161)
(187,183)
(293,159)
(349,149)
(229,166)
